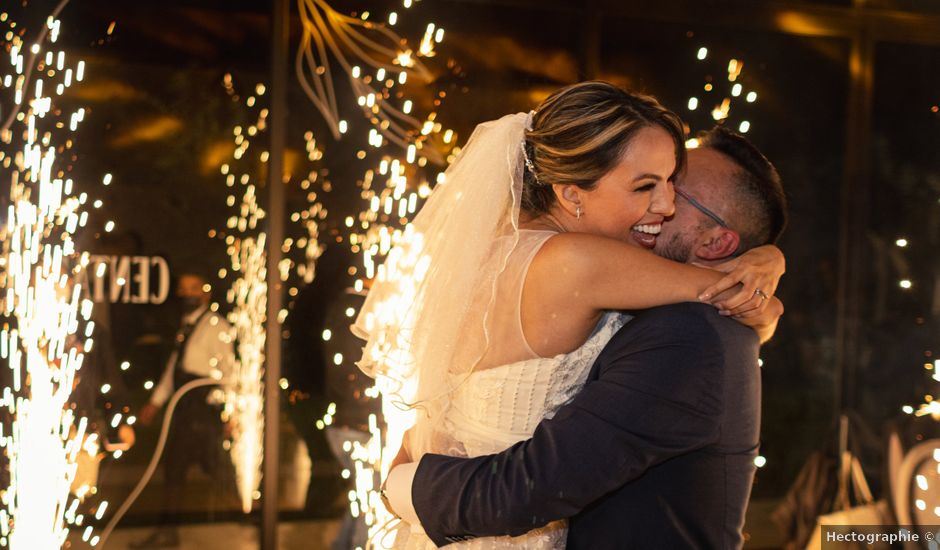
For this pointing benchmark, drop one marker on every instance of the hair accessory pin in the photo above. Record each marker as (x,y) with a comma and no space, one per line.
(529,118)
(528,162)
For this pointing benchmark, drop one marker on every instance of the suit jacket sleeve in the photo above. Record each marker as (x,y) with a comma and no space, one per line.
(658,394)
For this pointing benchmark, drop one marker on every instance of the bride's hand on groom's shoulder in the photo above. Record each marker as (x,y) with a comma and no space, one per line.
(749,284)
(763,321)
(746,292)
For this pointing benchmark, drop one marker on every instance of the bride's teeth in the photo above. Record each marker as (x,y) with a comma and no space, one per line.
(650,229)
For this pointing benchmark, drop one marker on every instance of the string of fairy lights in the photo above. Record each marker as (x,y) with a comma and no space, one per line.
(47,327)
(721,93)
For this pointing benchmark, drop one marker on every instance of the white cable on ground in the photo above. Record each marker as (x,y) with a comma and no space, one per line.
(158,452)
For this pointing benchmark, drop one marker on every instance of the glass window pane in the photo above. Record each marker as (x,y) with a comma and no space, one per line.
(901,304)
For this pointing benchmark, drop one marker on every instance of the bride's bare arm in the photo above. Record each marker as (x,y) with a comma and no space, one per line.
(588,273)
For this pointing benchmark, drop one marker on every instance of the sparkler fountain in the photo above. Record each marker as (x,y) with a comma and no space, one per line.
(378,66)
(42,305)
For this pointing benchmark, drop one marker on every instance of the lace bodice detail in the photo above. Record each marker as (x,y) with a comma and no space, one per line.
(498,407)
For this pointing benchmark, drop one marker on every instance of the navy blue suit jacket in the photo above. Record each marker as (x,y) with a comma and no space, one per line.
(657,451)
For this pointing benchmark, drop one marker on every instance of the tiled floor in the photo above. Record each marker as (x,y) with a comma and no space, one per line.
(305,535)
(229,532)
(318,535)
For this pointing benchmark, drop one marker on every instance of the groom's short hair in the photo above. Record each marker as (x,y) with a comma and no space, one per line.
(759,201)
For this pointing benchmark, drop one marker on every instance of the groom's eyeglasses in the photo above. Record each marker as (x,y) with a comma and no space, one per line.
(701,208)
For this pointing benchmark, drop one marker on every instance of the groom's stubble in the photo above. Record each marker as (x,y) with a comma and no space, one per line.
(678,246)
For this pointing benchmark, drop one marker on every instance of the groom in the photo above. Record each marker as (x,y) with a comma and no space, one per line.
(657,451)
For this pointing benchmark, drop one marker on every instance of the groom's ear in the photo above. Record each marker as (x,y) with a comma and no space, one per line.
(720,243)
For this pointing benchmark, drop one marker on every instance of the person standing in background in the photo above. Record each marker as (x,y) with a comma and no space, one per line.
(203,349)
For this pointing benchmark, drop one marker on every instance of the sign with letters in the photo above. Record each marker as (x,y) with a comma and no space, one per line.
(126,279)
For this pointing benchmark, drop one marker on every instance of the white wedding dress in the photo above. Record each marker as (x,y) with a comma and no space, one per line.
(513,389)
(443,328)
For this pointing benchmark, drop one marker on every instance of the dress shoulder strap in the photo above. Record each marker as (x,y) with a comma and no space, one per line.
(508,343)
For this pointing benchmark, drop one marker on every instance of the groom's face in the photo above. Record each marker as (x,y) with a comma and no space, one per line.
(706,178)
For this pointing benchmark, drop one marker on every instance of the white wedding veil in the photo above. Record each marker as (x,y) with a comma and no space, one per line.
(425,318)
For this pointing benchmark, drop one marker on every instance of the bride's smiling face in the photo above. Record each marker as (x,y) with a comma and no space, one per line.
(630,201)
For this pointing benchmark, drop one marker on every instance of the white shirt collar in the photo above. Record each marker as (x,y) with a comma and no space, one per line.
(192,317)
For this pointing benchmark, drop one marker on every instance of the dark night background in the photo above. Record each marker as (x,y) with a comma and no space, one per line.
(860,171)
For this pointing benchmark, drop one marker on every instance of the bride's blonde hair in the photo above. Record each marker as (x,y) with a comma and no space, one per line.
(580,132)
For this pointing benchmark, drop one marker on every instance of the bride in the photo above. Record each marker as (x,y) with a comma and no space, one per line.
(489,314)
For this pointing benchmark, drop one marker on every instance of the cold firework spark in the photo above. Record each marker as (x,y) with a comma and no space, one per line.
(46,322)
